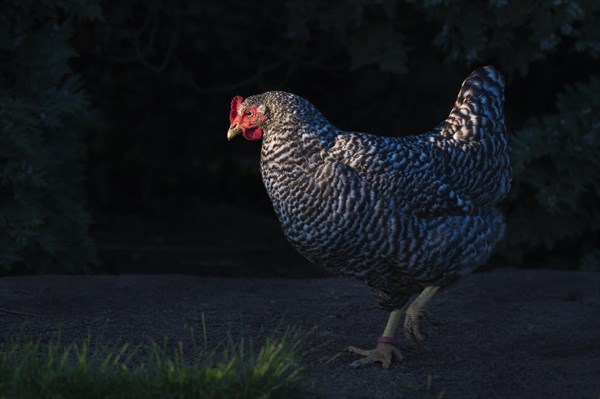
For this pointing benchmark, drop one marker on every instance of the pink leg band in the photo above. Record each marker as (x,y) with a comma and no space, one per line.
(387,340)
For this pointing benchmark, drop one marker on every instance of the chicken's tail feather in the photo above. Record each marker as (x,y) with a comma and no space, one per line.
(479,106)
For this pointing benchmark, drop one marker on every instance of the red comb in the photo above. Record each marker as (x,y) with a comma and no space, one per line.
(235,103)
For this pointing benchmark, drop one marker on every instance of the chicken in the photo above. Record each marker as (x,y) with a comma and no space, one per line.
(406,215)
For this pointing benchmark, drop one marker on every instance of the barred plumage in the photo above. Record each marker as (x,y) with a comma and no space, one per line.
(397,213)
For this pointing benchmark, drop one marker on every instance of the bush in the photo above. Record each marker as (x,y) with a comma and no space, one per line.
(43,113)
(553,207)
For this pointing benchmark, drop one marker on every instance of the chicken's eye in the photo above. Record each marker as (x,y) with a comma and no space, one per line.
(249,113)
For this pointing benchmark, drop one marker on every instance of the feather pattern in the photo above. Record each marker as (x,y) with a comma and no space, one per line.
(398,213)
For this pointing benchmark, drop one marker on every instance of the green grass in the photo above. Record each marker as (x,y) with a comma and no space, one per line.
(32,369)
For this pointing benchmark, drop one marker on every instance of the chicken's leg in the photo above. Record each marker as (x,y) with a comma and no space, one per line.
(412,323)
(386,345)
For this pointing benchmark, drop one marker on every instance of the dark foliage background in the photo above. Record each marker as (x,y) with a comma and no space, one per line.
(43,115)
(160,75)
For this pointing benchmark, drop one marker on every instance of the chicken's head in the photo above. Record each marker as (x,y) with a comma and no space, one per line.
(246,119)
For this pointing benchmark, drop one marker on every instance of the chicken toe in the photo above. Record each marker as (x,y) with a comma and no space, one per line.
(383,353)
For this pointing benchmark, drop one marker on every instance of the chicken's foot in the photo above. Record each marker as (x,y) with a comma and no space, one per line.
(385,350)
(414,312)
(383,353)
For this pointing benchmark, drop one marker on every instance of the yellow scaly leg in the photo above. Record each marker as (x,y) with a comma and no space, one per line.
(386,344)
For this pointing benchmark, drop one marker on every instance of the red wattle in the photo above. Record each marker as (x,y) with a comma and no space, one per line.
(252,134)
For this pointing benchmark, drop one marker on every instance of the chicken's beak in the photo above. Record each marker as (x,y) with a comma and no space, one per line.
(233,131)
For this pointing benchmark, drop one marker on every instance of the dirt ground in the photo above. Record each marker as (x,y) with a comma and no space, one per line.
(499,334)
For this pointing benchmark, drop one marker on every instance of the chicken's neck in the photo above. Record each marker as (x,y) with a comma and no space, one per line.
(293,143)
